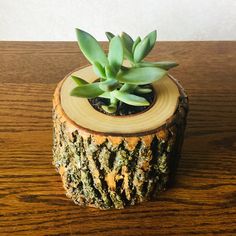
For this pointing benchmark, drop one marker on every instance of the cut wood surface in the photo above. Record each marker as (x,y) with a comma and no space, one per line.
(32,200)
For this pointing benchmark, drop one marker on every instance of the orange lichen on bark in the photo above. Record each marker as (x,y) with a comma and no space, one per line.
(131,142)
(162,134)
(111,180)
(147,139)
(99,139)
(116,141)
(125,173)
(145,165)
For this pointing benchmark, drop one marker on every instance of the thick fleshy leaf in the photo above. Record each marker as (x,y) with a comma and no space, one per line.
(87,91)
(91,48)
(113,100)
(130,99)
(129,88)
(128,55)
(166,65)
(141,50)
(109,85)
(115,55)
(78,80)
(152,39)
(139,90)
(145,46)
(139,76)
(109,35)
(113,104)
(99,70)
(109,72)
(136,42)
(105,95)
(110,108)
(127,40)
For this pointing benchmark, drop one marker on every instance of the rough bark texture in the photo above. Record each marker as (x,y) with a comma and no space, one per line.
(114,172)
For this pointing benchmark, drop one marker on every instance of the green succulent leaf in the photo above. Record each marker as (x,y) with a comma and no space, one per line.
(115,55)
(109,85)
(129,88)
(109,35)
(78,80)
(139,90)
(166,65)
(99,70)
(109,72)
(139,76)
(130,99)
(91,48)
(141,50)
(110,108)
(128,55)
(152,39)
(145,46)
(87,91)
(113,100)
(105,95)
(136,42)
(127,40)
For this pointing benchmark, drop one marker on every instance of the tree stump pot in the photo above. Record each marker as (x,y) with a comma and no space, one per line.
(111,161)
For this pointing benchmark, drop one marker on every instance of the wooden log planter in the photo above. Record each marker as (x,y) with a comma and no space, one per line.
(115,161)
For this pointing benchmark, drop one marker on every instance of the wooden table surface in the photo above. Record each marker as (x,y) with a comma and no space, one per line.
(32,200)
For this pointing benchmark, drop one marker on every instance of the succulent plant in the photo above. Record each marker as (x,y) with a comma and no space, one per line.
(117,82)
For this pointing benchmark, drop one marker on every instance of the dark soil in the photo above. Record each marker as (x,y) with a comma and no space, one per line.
(123,109)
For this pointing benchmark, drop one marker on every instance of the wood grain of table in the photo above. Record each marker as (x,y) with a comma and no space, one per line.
(32,200)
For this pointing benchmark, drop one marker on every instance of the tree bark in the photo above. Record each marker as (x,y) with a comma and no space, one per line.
(114,171)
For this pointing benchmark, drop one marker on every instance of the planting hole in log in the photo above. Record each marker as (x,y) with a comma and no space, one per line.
(124,109)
